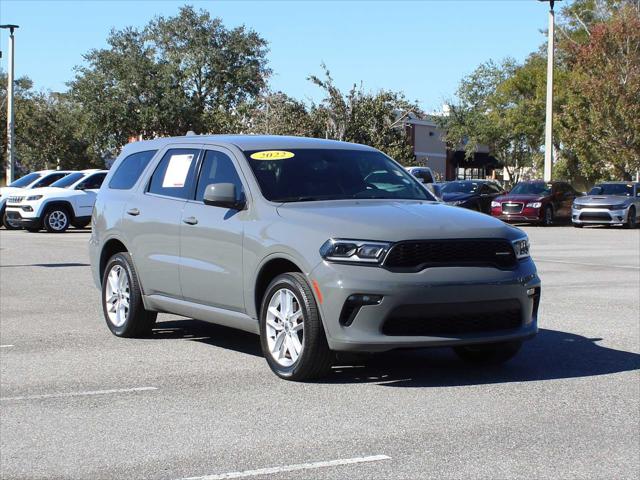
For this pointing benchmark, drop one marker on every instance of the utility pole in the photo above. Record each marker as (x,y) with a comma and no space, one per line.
(548,132)
(10,119)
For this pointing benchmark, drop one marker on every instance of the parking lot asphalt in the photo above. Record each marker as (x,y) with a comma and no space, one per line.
(198,400)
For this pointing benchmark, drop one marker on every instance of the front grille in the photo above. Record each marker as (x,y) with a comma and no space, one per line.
(14,199)
(595,216)
(453,319)
(420,254)
(510,207)
(604,207)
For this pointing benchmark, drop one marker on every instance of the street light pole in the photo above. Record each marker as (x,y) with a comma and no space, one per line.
(10,118)
(548,133)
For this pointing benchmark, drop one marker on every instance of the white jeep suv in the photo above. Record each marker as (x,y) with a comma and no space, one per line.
(69,201)
(39,179)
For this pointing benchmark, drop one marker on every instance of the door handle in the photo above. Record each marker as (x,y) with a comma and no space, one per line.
(190,220)
(133,212)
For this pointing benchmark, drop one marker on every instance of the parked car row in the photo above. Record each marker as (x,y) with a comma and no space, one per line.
(545,203)
(50,199)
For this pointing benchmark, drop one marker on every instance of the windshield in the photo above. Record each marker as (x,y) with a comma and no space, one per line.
(48,180)
(461,187)
(537,188)
(612,189)
(324,174)
(26,180)
(68,180)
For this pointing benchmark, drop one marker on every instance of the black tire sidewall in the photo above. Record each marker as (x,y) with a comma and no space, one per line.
(52,210)
(129,328)
(5,222)
(631,218)
(313,330)
(548,223)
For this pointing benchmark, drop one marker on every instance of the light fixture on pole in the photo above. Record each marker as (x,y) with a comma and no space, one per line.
(10,120)
(548,133)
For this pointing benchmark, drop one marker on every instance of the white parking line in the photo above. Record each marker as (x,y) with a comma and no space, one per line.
(79,394)
(631,267)
(291,468)
(6,346)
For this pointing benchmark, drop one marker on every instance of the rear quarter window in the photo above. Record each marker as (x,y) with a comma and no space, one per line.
(130,169)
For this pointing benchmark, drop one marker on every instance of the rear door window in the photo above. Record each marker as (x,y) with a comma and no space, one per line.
(175,174)
(130,169)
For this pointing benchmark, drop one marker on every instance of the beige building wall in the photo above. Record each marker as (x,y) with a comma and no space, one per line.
(429,148)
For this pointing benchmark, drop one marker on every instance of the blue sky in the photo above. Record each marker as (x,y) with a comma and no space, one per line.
(422,48)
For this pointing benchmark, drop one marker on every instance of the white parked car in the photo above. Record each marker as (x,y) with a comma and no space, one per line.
(424,174)
(39,179)
(69,201)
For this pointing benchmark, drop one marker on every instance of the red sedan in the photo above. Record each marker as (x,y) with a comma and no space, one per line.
(535,202)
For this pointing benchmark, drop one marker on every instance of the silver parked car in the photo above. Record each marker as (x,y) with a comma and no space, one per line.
(317,246)
(609,203)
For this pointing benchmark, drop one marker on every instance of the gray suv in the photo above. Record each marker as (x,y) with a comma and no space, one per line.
(317,246)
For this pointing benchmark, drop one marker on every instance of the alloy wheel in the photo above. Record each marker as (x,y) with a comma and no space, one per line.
(117,295)
(285,327)
(58,220)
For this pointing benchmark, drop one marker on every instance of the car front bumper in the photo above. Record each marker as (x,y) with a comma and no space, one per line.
(455,292)
(22,218)
(599,216)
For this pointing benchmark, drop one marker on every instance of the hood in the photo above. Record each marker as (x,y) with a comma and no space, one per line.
(456,196)
(602,199)
(520,198)
(11,191)
(49,191)
(389,220)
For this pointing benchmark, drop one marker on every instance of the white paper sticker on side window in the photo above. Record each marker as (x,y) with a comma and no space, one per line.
(177,171)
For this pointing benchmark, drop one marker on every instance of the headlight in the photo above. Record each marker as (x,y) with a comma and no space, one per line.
(34,197)
(521,248)
(534,205)
(354,251)
(495,204)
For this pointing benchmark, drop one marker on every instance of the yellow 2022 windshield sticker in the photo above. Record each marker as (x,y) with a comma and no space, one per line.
(272,155)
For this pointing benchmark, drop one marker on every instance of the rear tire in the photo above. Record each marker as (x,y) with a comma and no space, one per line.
(631,219)
(122,303)
(56,220)
(291,332)
(489,354)
(8,224)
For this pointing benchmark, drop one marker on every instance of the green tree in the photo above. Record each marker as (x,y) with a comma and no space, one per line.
(187,72)
(500,106)
(601,118)
(363,117)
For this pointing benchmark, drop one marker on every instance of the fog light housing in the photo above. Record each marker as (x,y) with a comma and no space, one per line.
(354,303)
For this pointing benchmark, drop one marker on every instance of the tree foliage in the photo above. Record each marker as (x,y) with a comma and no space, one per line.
(363,117)
(187,72)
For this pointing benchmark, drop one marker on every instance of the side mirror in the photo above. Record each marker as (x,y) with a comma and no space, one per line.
(222,195)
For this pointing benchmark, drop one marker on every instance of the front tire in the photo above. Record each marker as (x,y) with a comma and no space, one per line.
(489,354)
(122,303)
(56,220)
(8,224)
(631,219)
(291,332)
(547,218)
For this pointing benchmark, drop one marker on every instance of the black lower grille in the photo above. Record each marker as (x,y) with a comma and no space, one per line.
(595,216)
(453,319)
(420,254)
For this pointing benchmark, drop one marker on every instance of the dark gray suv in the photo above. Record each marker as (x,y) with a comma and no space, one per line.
(317,246)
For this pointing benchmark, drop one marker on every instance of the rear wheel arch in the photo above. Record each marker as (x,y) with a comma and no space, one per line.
(109,249)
